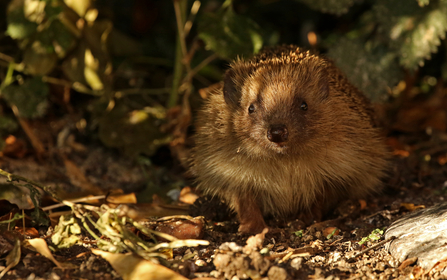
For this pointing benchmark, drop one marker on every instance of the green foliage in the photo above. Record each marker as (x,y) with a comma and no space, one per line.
(133,131)
(373,41)
(391,35)
(423,3)
(30,98)
(374,236)
(228,34)
(412,32)
(67,232)
(372,69)
(7,124)
(42,35)
(18,26)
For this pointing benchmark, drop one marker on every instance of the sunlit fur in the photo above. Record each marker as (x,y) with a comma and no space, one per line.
(333,150)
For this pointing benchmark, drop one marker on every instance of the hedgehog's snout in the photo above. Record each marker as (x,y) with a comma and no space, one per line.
(277,133)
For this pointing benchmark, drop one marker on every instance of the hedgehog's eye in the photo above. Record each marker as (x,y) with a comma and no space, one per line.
(251,109)
(303,106)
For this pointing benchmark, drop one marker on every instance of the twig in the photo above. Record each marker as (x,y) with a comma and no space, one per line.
(56,81)
(192,15)
(83,199)
(141,91)
(7,58)
(179,15)
(35,142)
(372,247)
(12,177)
(199,67)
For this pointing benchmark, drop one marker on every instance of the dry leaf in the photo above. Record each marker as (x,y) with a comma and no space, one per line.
(78,178)
(329,230)
(411,206)
(13,258)
(407,262)
(363,204)
(144,210)
(132,267)
(188,196)
(183,229)
(40,245)
(122,198)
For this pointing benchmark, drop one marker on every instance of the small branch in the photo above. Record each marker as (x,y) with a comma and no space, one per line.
(192,15)
(372,247)
(83,199)
(6,58)
(179,15)
(148,91)
(12,177)
(35,142)
(199,67)
(56,81)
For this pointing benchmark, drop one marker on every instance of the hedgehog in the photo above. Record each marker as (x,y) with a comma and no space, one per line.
(286,135)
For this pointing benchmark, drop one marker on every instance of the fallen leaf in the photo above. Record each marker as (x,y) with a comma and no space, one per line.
(188,196)
(78,178)
(40,246)
(331,231)
(411,206)
(363,204)
(122,198)
(29,232)
(13,258)
(407,262)
(183,229)
(132,267)
(144,210)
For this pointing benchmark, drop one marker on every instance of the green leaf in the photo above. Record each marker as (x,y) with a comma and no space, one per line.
(423,3)
(374,236)
(337,7)
(134,131)
(413,32)
(66,233)
(8,124)
(18,26)
(38,59)
(30,97)
(424,39)
(372,70)
(52,10)
(229,34)
(60,38)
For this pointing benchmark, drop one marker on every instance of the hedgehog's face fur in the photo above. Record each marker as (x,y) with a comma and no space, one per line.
(278,108)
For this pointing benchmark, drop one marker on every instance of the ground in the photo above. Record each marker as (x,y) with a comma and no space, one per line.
(289,250)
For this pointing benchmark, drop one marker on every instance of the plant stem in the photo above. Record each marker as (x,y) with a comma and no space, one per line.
(12,177)
(180,51)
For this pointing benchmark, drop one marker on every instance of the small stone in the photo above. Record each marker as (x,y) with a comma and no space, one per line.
(277,273)
(296,263)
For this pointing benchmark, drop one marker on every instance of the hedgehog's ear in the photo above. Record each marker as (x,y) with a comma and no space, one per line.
(231,92)
(323,85)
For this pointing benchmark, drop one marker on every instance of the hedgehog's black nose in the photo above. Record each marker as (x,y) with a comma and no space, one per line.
(278,133)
